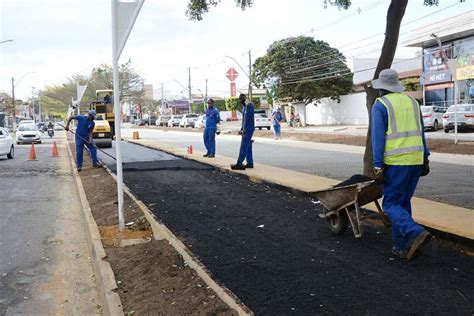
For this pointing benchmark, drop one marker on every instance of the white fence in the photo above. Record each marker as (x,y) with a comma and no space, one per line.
(350,111)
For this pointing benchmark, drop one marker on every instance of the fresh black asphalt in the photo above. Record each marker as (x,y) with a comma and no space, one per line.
(271,249)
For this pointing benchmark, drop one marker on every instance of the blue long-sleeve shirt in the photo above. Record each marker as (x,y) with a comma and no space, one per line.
(379,128)
(212,117)
(248,118)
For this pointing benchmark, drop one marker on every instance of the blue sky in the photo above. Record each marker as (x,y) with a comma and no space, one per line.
(55,39)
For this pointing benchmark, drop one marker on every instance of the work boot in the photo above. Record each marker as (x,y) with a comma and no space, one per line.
(97,165)
(400,254)
(210,156)
(417,244)
(237,167)
(248,166)
(79,169)
(205,155)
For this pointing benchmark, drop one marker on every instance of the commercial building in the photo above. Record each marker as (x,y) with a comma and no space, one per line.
(448,60)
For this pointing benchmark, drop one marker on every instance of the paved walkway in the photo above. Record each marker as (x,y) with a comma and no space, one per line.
(448,218)
(45,267)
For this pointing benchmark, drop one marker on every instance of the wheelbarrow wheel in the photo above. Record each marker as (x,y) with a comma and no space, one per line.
(338,222)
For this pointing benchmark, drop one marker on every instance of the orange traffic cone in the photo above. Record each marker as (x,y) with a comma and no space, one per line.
(32,153)
(55,150)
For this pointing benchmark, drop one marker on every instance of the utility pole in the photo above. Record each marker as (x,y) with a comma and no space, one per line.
(162,99)
(250,75)
(205,98)
(189,88)
(33,103)
(14,107)
(39,105)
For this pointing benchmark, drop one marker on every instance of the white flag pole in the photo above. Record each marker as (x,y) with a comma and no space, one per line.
(118,117)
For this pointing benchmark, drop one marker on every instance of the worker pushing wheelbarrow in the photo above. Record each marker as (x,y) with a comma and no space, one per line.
(347,197)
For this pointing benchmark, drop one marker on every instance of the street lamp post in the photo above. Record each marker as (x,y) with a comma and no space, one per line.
(13,95)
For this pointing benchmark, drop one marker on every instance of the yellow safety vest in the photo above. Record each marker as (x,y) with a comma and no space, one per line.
(403,139)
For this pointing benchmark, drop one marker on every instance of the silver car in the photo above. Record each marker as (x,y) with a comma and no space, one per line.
(465,117)
(174,120)
(432,117)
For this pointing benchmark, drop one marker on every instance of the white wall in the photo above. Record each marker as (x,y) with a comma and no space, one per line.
(351,111)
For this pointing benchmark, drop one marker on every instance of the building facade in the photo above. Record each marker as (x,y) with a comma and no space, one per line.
(447,60)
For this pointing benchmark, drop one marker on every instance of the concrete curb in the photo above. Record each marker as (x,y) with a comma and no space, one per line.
(104,276)
(422,206)
(160,231)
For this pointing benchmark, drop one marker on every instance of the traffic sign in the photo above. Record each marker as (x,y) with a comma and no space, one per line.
(231,74)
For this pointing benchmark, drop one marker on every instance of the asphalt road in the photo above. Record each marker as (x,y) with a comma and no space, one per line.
(446,183)
(271,249)
(44,265)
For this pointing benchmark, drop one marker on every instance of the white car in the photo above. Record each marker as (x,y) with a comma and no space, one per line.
(174,120)
(28,133)
(188,120)
(262,121)
(432,117)
(465,117)
(6,144)
(200,122)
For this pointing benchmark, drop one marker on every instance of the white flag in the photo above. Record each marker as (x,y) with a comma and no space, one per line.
(127,13)
(80,92)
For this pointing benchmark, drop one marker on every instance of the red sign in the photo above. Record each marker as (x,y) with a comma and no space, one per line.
(232,89)
(231,74)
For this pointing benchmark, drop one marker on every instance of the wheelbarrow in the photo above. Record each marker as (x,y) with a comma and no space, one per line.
(348,197)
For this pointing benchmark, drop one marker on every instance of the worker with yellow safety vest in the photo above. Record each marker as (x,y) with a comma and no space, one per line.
(400,158)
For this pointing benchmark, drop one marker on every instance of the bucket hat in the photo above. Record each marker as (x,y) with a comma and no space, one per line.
(388,80)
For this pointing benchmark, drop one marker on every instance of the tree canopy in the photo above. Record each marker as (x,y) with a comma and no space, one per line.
(303,69)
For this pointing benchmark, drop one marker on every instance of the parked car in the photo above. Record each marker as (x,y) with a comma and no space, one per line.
(188,120)
(162,120)
(432,117)
(28,133)
(6,144)
(200,122)
(174,120)
(148,121)
(226,116)
(465,117)
(262,121)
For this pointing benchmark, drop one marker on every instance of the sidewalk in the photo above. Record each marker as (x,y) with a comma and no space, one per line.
(451,219)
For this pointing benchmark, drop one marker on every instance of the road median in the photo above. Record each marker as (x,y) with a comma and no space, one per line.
(448,219)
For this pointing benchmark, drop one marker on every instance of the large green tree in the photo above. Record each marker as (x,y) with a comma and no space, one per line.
(395,13)
(56,99)
(296,77)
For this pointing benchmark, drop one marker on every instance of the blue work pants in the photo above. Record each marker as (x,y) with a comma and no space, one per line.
(210,140)
(245,152)
(79,151)
(277,130)
(399,185)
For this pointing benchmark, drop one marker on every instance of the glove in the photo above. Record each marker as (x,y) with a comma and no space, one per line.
(425,168)
(378,172)
(241,132)
(66,128)
(218,132)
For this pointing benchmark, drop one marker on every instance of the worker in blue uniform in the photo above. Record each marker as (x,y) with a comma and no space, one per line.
(247,129)
(212,119)
(400,157)
(277,118)
(85,126)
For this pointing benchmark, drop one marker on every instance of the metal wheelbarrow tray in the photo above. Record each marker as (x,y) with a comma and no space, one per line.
(339,201)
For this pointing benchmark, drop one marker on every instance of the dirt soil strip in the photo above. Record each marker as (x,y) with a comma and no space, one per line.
(435,145)
(270,248)
(152,277)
